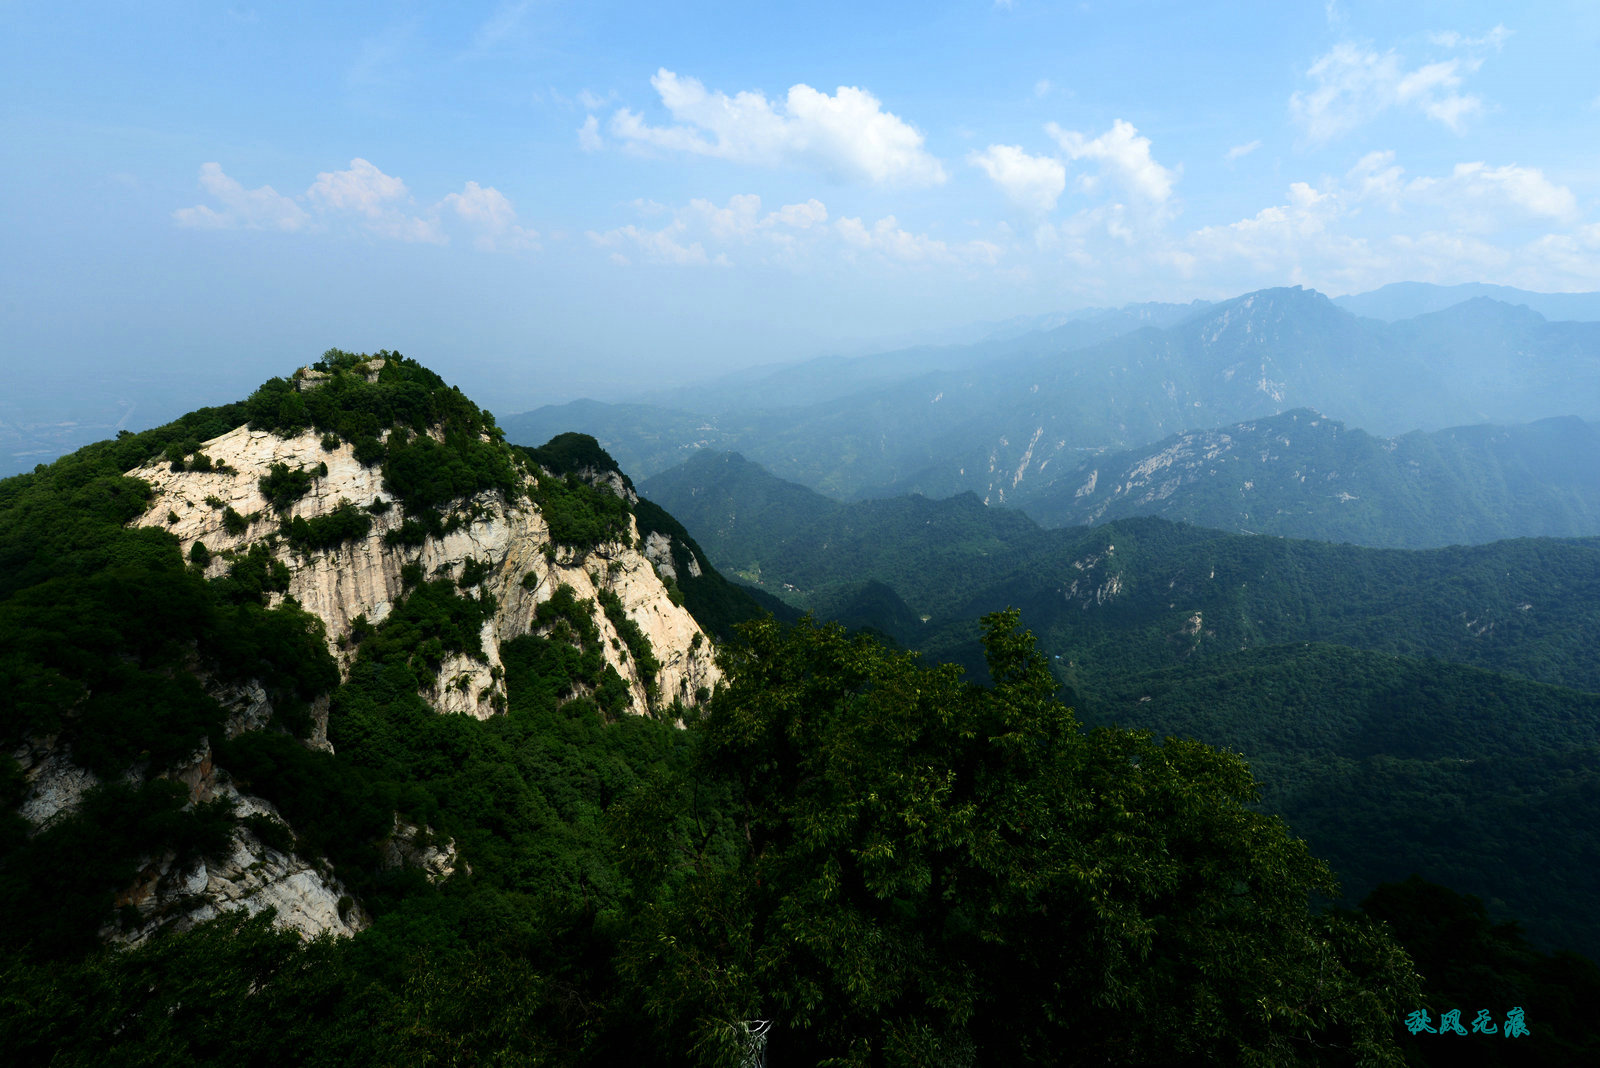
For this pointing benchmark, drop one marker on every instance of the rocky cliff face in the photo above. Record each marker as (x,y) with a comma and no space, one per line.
(364,578)
(494,545)
(259,870)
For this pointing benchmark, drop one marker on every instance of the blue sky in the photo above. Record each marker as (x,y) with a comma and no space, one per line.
(545,200)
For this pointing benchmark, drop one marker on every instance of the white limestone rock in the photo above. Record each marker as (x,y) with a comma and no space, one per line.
(363,578)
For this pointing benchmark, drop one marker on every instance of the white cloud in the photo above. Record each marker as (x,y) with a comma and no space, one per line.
(1125,154)
(363,188)
(365,198)
(1468,224)
(802,216)
(1495,39)
(1479,195)
(490,215)
(263,208)
(1433,89)
(795,236)
(500,25)
(662,246)
(589,135)
(1041,88)
(846,135)
(1240,151)
(1033,183)
(1352,85)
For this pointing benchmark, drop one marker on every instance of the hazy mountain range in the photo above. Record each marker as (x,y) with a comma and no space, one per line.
(1420,439)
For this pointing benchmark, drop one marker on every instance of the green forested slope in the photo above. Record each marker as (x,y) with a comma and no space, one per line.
(1406,711)
(897,866)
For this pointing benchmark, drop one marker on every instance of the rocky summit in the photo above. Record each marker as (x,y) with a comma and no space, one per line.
(306,505)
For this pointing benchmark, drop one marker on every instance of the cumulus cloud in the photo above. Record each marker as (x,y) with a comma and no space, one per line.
(1124,154)
(589,135)
(1469,223)
(365,190)
(487,212)
(1353,84)
(846,135)
(1274,235)
(263,208)
(366,199)
(1033,183)
(1480,194)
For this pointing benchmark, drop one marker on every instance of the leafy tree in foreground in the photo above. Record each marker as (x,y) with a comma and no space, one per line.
(915,870)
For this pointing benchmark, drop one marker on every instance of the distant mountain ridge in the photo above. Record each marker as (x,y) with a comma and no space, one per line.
(1406,300)
(1011,416)
(1303,475)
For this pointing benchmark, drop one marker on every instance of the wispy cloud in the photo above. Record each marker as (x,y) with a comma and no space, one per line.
(1241,151)
(1353,84)
(500,25)
(800,236)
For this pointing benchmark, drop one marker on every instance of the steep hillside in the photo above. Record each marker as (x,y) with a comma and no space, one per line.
(180,605)
(1303,475)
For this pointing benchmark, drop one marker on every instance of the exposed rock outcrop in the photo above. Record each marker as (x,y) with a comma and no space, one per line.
(364,577)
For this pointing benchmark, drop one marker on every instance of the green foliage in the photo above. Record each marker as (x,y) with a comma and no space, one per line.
(233,522)
(917,870)
(473,572)
(1389,702)
(345,523)
(100,624)
(576,454)
(282,486)
(199,555)
(56,887)
(1468,963)
(431,622)
(254,574)
(716,604)
(580,515)
(639,649)
(407,402)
